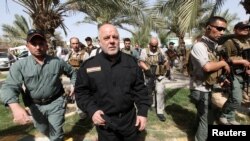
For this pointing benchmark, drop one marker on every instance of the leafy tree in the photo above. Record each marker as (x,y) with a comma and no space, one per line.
(47,15)
(117,12)
(16,34)
(188,11)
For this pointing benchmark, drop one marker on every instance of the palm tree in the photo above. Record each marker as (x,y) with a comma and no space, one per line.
(170,13)
(47,15)
(117,12)
(142,35)
(16,34)
(188,11)
(174,22)
(246,5)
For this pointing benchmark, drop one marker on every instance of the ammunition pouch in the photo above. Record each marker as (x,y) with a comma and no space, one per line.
(213,78)
(160,59)
(161,70)
(75,62)
(246,54)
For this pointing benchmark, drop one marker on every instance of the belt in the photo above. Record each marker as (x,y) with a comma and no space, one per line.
(121,114)
(46,101)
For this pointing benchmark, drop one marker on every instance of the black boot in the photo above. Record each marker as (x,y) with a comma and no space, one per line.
(167,74)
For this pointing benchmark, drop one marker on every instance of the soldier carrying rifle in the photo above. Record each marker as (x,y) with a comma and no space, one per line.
(153,62)
(236,48)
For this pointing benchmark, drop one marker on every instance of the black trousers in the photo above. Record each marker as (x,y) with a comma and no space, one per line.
(126,131)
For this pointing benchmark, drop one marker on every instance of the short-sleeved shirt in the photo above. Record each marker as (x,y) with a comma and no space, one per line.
(199,58)
(40,81)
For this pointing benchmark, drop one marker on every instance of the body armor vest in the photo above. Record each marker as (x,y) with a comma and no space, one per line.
(156,60)
(75,59)
(243,48)
(212,77)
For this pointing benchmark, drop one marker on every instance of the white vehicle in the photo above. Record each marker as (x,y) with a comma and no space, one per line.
(5,60)
(23,54)
(18,50)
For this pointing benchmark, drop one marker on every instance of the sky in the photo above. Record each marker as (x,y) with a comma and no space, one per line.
(83,30)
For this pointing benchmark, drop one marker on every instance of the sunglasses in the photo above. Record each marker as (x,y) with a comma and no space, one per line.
(154,46)
(219,28)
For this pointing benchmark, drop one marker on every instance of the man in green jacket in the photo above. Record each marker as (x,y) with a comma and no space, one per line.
(37,78)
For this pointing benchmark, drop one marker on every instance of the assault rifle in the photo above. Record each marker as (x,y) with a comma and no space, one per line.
(224,56)
(152,78)
(244,53)
(151,81)
(224,38)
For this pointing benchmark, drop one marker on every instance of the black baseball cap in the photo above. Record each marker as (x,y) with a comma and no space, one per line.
(88,39)
(241,25)
(171,43)
(35,33)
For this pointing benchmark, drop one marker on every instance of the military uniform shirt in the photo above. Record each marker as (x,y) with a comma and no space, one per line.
(41,81)
(113,87)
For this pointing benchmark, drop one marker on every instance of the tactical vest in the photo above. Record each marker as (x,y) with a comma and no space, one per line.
(172,54)
(242,48)
(75,60)
(210,78)
(156,60)
(127,51)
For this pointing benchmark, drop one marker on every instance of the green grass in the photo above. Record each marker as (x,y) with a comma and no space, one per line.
(180,114)
(2,76)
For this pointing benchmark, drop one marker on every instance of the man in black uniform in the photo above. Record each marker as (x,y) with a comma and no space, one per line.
(110,86)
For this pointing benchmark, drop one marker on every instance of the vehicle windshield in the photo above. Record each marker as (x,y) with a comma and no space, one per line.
(3,55)
(24,54)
